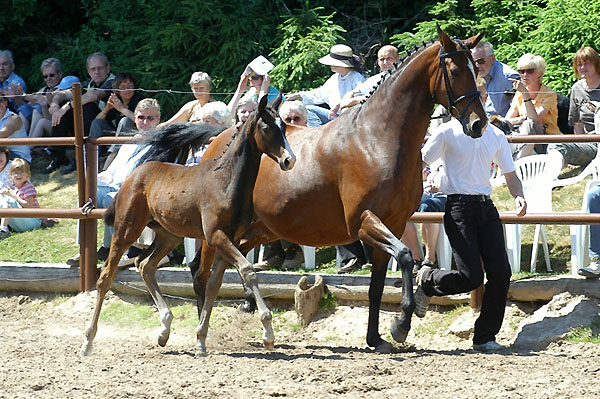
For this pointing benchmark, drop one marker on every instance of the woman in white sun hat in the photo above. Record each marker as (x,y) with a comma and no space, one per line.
(347,73)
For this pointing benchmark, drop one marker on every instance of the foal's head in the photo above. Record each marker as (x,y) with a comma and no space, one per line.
(269,133)
(455,83)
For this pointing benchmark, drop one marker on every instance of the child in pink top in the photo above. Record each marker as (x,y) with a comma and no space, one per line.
(21,195)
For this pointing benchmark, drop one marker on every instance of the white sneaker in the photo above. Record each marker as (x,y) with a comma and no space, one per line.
(591,271)
(422,300)
(490,346)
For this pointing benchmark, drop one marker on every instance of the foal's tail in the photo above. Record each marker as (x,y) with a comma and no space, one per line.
(174,142)
(109,214)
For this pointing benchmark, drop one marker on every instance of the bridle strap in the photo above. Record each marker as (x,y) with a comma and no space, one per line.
(470,96)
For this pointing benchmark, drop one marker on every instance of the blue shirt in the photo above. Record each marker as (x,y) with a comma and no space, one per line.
(15,80)
(499,89)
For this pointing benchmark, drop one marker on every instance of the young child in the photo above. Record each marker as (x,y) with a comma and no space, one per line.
(21,194)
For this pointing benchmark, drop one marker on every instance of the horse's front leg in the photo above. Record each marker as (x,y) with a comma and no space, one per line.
(212,289)
(224,245)
(164,243)
(200,269)
(375,233)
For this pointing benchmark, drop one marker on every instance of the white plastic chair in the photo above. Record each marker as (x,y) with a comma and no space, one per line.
(537,173)
(580,234)
(590,170)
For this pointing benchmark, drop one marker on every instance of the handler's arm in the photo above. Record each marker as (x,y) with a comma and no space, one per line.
(516,190)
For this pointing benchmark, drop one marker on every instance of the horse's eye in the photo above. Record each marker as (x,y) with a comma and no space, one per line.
(454,72)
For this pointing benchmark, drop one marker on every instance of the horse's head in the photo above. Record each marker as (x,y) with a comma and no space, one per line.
(457,90)
(270,134)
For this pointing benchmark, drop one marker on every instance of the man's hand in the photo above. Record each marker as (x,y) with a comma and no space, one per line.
(521,205)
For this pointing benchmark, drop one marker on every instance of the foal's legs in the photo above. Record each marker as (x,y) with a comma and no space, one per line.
(233,256)
(200,268)
(161,246)
(123,236)
(375,233)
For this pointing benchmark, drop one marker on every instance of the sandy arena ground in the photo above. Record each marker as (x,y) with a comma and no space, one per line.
(41,338)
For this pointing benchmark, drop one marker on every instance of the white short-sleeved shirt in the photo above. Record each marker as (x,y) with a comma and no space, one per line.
(467,161)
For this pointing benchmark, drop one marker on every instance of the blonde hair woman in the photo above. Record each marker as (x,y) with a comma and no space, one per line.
(201,85)
(534,107)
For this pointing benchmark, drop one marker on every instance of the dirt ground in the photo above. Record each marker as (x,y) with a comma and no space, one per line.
(41,337)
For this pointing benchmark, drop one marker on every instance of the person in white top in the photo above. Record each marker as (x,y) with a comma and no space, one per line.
(347,75)
(472,223)
(387,56)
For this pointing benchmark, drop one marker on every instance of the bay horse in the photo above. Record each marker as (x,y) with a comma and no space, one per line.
(210,201)
(359,176)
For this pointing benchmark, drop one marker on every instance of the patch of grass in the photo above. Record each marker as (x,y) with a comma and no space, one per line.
(124,314)
(328,302)
(586,334)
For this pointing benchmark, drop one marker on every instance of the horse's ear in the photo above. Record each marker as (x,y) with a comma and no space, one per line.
(262,104)
(277,102)
(444,39)
(472,41)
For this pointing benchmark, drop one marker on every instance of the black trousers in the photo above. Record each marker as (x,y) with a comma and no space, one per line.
(353,250)
(66,128)
(475,233)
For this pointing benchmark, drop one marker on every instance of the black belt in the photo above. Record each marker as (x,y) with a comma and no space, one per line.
(468,197)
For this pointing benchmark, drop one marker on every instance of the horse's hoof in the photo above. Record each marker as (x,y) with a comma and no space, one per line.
(201,350)
(384,347)
(163,338)
(269,345)
(86,349)
(398,333)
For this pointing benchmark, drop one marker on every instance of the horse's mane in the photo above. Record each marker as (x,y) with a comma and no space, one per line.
(174,142)
(399,66)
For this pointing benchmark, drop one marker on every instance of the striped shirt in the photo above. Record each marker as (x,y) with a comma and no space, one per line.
(27,190)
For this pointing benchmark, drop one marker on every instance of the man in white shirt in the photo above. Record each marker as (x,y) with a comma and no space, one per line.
(472,223)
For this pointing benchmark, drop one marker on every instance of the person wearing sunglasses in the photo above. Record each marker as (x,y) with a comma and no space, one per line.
(496,75)
(534,108)
(252,85)
(54,79)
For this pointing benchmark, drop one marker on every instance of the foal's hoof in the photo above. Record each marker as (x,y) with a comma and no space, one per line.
(201,350)
(86,349)
(398,333)
(269,345)
(384,347)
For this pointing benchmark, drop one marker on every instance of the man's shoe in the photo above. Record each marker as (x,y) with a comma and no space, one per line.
(69,168)
(274,262)
(490,346)
(293,262)
(4,234)
(74,261)
(421,299)
(102,253)
(352,265)
(591,271)
(54,165)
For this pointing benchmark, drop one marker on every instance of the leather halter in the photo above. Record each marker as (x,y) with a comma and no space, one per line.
(452,101)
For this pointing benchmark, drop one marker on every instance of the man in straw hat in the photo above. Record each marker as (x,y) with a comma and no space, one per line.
(347,73)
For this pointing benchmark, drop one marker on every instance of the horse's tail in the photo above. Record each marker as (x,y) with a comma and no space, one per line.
(174,142)
(109,214)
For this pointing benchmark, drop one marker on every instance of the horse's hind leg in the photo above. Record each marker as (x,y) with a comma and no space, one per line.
(244,268)
(200,268)
(375,233)
(161,246)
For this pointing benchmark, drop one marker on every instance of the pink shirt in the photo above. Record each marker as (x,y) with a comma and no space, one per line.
(27,190)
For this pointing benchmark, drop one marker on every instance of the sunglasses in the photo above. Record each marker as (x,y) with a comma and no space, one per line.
(256,77)
(149,118)
(50,75)
(480,61)
(527,71)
